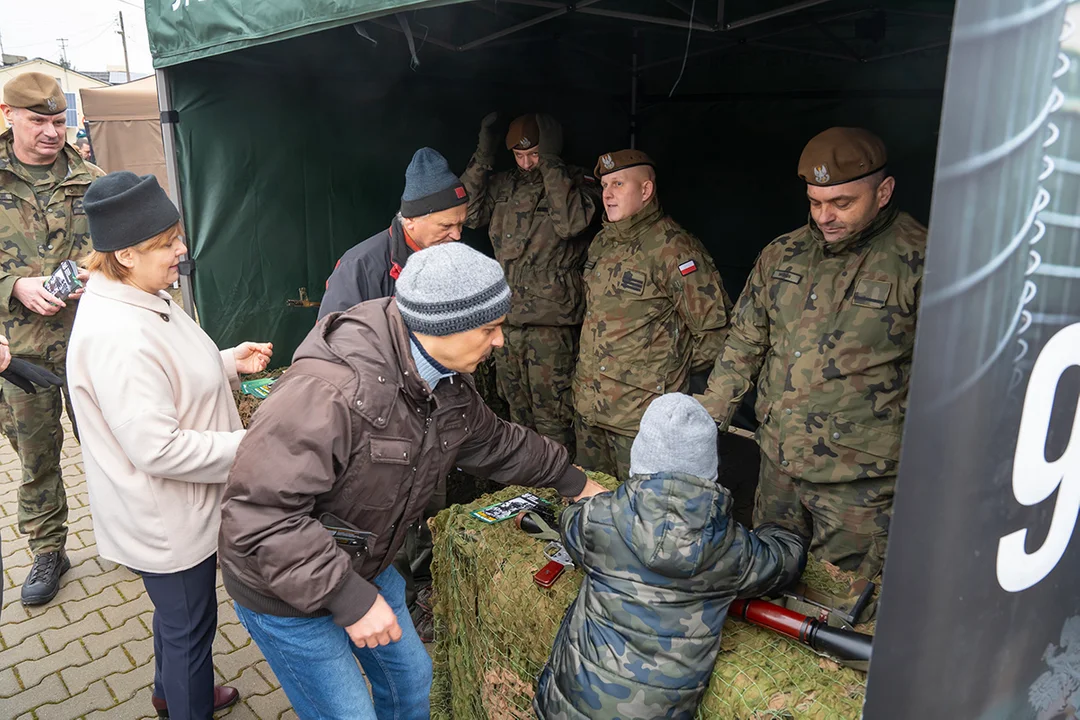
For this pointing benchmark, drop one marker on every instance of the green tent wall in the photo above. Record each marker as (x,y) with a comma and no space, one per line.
(291,151)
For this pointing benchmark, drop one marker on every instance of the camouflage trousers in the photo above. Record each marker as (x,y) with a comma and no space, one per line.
(847,523)
(534,370)
(603,451)
(32,426)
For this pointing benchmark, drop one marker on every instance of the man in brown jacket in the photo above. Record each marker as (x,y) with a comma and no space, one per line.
(340,460)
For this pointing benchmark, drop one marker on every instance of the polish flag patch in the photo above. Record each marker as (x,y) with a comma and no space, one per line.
(688,267)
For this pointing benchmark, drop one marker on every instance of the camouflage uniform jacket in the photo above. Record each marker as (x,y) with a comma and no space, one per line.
(34,240)
(827,332)
(538,223)
(656,309)
(663,560)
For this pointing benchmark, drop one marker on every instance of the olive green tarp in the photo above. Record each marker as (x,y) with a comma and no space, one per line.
(293,148)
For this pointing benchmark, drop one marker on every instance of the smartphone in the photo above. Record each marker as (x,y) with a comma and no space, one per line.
(64,281)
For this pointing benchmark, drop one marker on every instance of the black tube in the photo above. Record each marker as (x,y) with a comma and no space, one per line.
(843,644)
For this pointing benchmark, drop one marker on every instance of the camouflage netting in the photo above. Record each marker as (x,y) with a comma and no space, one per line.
(495,626)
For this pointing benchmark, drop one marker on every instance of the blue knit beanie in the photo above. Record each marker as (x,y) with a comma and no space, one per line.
(430,186)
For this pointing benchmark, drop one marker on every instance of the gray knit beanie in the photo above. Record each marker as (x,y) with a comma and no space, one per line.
(677,435)
(451,288)
(430,185)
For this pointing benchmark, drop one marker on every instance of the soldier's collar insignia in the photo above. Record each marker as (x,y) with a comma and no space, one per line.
(821,173)
(607,162)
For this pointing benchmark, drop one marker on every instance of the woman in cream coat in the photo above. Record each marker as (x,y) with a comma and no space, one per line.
(159,430)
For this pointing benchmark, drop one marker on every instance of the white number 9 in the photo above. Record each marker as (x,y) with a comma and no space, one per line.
(1034,479)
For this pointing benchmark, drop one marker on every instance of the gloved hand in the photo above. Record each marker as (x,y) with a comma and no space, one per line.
(489,141)
(551,138)
(25,376)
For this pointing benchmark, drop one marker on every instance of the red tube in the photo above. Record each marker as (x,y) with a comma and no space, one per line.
(790,623)
(843,644)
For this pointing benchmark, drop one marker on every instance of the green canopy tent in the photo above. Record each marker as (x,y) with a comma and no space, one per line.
(289,124)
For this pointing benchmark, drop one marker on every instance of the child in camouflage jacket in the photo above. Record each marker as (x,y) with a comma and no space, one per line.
(663,560)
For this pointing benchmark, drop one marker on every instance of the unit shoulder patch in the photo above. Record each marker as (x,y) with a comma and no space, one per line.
(633,281)
(872,293)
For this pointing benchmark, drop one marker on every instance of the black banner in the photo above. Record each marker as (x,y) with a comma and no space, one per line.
(980,616)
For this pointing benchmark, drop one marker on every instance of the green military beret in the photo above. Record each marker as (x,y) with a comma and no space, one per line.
(841,155)
(524,133)
(37,92)
(615,161)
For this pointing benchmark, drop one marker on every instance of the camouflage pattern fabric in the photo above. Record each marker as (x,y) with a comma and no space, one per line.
(663,560)
(656,309)
(537,222)
(31,424)
(826,331)
(602,450)
(534,369)
(848,523)
(34,240)
(35,237)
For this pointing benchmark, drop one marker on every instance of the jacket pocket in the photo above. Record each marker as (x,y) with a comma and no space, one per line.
(632,375)
(197,494)
(454,433)
(377,478)
(395,451)
(863,438)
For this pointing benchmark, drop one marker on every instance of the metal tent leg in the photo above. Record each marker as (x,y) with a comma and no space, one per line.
(168,141)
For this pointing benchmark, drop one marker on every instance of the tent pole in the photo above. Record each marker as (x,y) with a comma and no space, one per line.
(637,17)
(527,24)
(720,14)
(168,142)
(805,51)
(633,93)
(778,12)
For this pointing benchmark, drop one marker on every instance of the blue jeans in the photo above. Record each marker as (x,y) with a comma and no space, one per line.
(315,662)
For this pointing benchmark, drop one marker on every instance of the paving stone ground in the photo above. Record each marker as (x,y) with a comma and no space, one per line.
(89,653)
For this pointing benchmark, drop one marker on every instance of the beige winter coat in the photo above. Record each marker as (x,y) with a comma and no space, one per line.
(159,428)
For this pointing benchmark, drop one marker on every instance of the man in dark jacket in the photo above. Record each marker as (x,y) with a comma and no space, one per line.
(663,560)
(432,212)
(375,410)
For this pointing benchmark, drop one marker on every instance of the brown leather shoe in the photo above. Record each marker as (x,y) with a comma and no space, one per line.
(223,697)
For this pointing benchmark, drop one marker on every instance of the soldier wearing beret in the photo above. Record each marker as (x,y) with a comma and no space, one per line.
(42,223)
(655,311)
(825,328)
(538,217)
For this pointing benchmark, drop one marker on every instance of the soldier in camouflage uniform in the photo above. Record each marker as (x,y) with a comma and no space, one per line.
(538,216)
(42,223)
(655,311)
(825,328)
(663,560)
